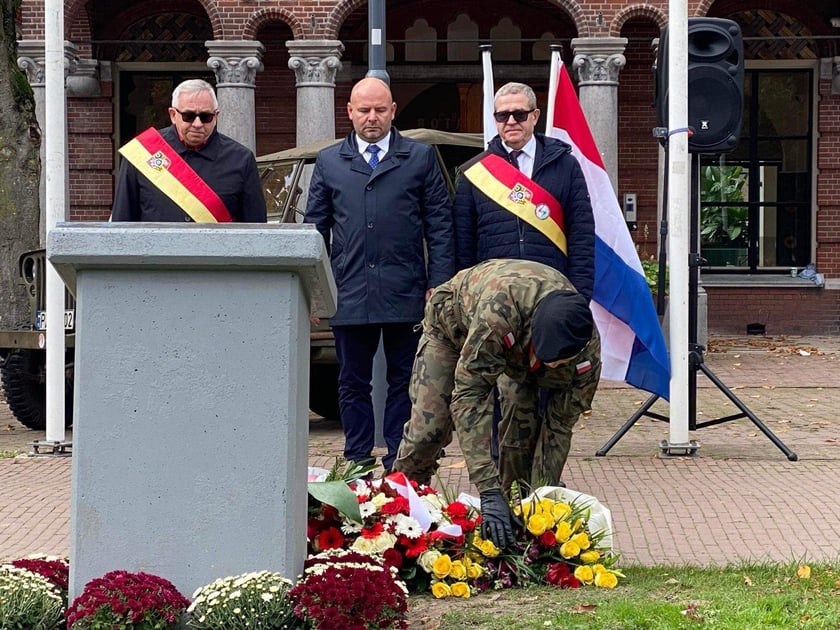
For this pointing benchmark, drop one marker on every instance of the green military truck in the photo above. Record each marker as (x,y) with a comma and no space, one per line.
(23,356)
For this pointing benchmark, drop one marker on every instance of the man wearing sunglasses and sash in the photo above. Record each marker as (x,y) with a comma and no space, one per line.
(188,171)
(526,198)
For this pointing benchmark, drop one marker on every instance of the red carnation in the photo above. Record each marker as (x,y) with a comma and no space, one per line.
(398,505)
(456,509)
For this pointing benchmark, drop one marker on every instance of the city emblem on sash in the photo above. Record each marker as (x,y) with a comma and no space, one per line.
(542,211)
(519,194)
(159,161)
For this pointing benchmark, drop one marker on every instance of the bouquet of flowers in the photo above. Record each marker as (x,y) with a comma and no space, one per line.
(120,600)
(434,541)
(410,527)
(565,541)
(250,600)
(28,600)
(349,590)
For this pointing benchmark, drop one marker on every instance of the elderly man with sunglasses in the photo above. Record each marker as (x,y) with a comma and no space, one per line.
(188,171)
(525,198)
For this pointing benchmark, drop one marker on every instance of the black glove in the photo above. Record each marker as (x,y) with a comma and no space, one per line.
(496,518)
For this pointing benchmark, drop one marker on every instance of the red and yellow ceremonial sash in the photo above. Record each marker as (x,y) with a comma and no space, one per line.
(155,158)
(510,188)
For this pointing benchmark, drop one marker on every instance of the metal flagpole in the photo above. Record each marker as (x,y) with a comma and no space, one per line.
(553,79)
(488,125)
(679,234)
(55,171)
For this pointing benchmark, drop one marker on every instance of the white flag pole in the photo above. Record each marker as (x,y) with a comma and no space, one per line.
(488,94)
(679,231)
(553,79)
(55,172)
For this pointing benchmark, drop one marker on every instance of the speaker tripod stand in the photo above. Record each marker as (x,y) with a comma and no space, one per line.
(695,355)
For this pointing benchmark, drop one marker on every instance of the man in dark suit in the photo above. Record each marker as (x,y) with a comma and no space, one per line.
(381,204)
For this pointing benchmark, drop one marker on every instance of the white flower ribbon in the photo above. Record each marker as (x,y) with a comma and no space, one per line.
(416,508)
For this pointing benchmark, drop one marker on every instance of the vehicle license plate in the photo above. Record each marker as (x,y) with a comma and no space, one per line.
(69,320)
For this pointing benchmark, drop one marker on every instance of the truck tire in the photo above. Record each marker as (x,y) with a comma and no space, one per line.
(25,388)
(323,390)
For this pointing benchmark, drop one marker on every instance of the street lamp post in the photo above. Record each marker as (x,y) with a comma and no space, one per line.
(376,40)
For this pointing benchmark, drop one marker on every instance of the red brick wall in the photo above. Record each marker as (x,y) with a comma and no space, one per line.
(90,152)
(828,182)
(638,149)
(793,311)
(276,96)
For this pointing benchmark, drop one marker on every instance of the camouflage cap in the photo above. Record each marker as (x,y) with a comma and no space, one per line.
(561,326)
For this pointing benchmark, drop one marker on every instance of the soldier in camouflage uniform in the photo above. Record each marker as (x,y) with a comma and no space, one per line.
(484,327)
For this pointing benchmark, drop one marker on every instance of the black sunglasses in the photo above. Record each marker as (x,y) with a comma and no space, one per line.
(206,117)
(518,115)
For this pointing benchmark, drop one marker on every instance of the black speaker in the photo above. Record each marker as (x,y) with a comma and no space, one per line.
(715,84)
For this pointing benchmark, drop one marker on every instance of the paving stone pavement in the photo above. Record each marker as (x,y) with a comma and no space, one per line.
(737,498)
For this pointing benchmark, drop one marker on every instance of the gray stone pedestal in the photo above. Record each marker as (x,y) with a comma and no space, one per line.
(190,404)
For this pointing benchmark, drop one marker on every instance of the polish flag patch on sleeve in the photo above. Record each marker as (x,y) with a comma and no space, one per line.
(584,367)
(509,340)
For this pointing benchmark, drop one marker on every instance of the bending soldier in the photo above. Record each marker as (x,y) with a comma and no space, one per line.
(521,326)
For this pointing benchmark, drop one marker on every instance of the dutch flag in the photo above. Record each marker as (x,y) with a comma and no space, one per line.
(632,345)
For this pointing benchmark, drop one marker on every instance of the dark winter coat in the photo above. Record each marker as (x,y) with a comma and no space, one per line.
(374,223)
(485,230)
(228,167)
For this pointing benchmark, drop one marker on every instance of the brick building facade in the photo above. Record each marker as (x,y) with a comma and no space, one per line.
(783,180)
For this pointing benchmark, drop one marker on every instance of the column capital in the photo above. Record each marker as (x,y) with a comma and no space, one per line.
(83,80)
(599,60)
(315,61)
(235,63)
(31,60)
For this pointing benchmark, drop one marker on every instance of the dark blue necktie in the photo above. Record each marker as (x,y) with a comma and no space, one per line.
(374,155)
(514,157)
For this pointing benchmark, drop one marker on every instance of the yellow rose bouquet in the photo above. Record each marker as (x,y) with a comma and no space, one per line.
(565,541)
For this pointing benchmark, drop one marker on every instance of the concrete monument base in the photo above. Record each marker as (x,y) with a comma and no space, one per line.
(191,390)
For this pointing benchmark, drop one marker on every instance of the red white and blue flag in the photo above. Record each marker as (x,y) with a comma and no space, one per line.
(632,345)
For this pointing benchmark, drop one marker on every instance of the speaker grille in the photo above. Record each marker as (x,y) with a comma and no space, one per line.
(715,84)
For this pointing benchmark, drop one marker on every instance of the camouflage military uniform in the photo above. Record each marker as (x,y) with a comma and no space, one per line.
(477,333)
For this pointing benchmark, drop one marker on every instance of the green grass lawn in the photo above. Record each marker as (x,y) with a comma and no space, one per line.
(747,597)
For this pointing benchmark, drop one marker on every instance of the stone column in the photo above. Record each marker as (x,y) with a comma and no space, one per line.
(31,61)
(236,64)
(598,60)
(315,63)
